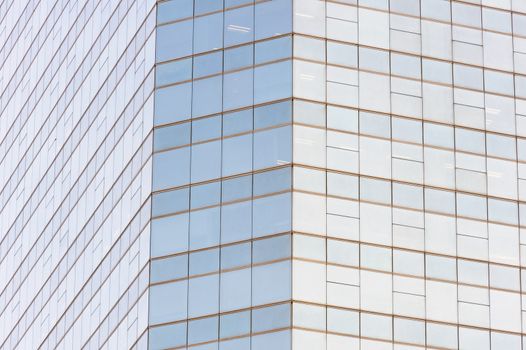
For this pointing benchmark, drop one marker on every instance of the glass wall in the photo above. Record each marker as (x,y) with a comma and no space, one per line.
(76,122)
(408,195)
(339,175)
(222,178)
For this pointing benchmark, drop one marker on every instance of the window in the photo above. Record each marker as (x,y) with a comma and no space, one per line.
(171,168)
(273,18)
(174,41)
(173,103)
(173,10)
(168,302)
(239,26)
(169,235)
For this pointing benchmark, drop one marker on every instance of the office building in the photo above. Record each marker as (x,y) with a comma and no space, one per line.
(254,175)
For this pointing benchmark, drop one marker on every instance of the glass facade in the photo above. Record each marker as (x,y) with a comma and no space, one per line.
(263,174)
(76,120)
(221,243)
(408,176)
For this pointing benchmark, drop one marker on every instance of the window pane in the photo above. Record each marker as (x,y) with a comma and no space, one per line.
(175,9)
(174,41)
(171,136)
(169,268)
(236,222)
(168,302)
(206,129)
(239,57)
(173,103)
(272,215)
(237,188)
(170,202)
(204,228)
(237,122)
(208,64)
(169,235)
(238,89)
(173,72)
(206,161)
(272,82)
(271,283)
(273,18)
(272,181)
(237,155)
(165,337)
(203,330)
(273,114)
(271,50)
(207,96)
(208,33)
(239,26)
(272,147)
(171,168)
(235,324)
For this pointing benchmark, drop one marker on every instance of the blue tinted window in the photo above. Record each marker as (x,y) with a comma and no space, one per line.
(204,228)
(173,10)
(271,283)
(165,337)
(168,302)
(235,324)
(238,89)
(169,268)
(235,289)
(171,168)
(203,330)
(234,3)
(273,18)
(272,147)
(170,202)
(272,181)
(203,296)
(174,41)
(173,103)
(207,96)
(204,262)
(206,129)
(208,64)
(272,249)
(237,155)
(274,340)
(272,82)
(239,57)
(205,195)
(171,136)
(237,122)
(208,33)
(236,222)
(237,188)
(169,235)
(271,50)
(206,6)
(236,344)
(206,161)
(173,72)
(272,215)
(235,255)
(239,26)
(269,318)
(274,114)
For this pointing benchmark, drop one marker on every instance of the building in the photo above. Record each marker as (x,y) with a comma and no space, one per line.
(253,175)
(76,116)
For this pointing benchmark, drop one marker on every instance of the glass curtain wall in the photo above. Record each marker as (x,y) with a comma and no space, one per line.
(339,175)
(222,179)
